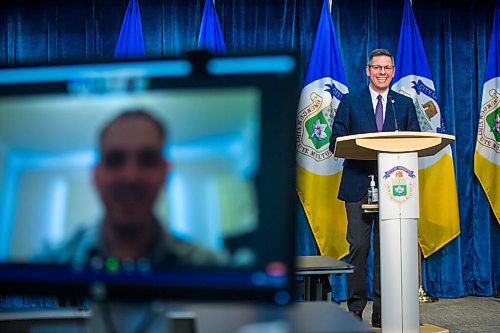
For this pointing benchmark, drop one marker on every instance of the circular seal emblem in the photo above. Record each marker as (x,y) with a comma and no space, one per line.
(317,107)
(422,91)
(489,121)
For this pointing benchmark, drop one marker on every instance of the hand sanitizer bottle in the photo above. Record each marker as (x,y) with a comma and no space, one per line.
(372,191)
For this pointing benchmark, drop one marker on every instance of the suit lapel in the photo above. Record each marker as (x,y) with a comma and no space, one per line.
(366,100)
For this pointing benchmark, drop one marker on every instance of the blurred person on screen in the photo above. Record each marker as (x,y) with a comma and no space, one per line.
(128,178)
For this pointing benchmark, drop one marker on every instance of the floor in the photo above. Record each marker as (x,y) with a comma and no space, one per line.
(468,314)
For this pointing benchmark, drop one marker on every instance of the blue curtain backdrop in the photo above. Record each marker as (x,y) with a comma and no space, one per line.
(455,35)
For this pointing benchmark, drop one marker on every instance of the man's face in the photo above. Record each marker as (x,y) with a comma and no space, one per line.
(131,171)
(380,72)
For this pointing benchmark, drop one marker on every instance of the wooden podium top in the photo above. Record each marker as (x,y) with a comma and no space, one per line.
(366,146)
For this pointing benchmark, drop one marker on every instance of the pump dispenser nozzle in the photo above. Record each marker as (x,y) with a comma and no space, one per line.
(372,182)
(372,191)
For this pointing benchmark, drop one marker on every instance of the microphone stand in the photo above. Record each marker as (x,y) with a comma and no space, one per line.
(394,113)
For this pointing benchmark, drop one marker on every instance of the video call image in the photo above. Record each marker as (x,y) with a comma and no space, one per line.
(50,148)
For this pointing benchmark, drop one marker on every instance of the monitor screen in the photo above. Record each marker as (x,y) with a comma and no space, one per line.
(166,179)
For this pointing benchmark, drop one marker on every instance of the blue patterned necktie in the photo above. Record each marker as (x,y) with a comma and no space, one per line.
(379,114)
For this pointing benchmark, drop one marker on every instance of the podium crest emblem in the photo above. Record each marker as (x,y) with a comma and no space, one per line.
(399,183)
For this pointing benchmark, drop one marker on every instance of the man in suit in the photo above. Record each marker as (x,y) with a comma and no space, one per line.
(365,111)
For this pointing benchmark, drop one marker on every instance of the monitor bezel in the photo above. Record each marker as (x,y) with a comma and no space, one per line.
(279,91)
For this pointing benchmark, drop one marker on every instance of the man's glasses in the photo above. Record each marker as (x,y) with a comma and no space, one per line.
(145,158)
(378,68)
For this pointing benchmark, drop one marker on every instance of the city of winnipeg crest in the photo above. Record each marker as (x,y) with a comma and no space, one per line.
(422,91)
(489,122)
(399,184)
(315,117)
(314,129)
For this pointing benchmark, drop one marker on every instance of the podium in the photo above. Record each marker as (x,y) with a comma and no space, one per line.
(397,155)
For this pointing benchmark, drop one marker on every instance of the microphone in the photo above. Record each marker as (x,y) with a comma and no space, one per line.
(393,113)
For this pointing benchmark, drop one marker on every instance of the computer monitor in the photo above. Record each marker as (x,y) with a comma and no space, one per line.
(228,193)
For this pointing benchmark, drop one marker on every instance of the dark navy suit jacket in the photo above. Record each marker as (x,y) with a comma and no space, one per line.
(355,115)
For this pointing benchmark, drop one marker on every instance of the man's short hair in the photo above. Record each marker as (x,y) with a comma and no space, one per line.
(135,113)
(379,52)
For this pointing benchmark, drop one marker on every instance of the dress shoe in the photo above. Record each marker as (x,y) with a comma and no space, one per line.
(376,322)
(357,314)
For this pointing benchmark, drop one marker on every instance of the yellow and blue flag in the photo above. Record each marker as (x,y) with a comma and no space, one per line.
(439,220)
(318,172)
(210,37)
(131,41)
(487,154)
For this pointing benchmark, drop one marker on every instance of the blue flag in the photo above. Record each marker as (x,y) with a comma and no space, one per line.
(493,62)
(438,223)
(325,60)
(318,173)
(487,154)
(130,41)
(210,32)
(412,61)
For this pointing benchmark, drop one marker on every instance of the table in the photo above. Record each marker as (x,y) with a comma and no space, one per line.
(316,271)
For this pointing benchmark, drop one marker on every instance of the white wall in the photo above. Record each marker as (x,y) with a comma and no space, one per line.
(51,203)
